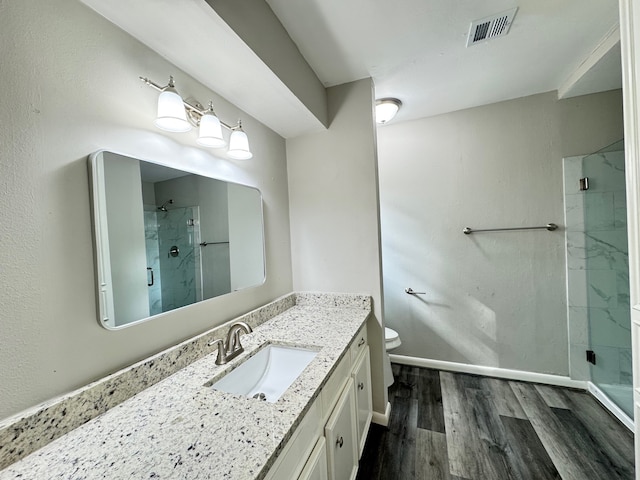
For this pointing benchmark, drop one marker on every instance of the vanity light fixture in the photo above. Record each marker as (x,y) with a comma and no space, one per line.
(177,115)
(210,134)
(172,116)
(386,109)
(239,144)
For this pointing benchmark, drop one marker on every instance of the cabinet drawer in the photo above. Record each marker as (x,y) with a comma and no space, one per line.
(359,343)
(334,385)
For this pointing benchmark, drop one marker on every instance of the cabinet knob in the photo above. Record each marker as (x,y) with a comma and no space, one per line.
(361,342)
(361,386)
(340,442)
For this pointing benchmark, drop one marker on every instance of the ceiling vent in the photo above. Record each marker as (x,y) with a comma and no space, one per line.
(490,27)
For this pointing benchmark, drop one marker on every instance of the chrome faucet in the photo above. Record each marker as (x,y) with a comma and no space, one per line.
(231,348)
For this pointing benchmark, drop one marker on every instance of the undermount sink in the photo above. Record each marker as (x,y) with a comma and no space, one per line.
(267,374)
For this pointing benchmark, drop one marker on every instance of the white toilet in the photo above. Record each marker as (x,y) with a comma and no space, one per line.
(391,341)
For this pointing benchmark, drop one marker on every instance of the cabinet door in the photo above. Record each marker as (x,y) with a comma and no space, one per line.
(316,467)
(364,409)
(293,456)
(341,436)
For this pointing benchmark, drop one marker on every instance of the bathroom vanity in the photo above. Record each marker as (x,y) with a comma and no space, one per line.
(330,438)
(181,427)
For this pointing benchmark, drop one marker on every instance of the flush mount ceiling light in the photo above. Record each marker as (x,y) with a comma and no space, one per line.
(177,115)
(386,109)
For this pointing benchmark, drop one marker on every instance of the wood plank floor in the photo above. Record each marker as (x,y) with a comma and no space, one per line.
(455,426)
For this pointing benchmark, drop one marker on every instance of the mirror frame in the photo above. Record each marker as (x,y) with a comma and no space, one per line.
(105,308)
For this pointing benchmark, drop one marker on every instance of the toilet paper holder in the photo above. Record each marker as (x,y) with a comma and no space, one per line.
(411,291)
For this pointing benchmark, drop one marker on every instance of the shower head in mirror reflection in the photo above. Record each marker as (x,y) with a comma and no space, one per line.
(133,235)
(163,207)
(178,115)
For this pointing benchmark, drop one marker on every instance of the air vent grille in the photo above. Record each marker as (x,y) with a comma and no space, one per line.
(494,26)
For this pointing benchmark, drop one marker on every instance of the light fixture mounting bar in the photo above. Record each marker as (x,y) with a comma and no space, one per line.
(190,107)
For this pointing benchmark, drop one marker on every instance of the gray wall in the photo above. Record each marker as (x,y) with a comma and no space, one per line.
(71,87)
(493,299)
(335,244)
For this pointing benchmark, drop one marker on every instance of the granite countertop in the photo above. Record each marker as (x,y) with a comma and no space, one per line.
(178,428)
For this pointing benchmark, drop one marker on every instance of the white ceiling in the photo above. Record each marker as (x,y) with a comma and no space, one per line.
(415,50)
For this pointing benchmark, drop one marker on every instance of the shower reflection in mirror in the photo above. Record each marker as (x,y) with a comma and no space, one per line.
(167,238)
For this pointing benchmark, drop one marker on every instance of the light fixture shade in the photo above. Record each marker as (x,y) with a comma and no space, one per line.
(210,134)
(386,109)
(172,115)
(239,145)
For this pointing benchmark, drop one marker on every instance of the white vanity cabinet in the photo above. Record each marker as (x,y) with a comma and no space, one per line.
(329,440)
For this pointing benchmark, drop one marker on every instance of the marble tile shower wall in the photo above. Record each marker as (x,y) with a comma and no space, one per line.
(598,268)
(180,273)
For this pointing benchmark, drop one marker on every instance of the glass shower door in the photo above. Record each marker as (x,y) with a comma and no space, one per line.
(154,281)
(178,237)
(606,265)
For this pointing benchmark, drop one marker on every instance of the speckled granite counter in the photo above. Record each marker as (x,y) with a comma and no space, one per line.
(180,429)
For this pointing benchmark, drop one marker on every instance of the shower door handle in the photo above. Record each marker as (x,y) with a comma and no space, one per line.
(149,269)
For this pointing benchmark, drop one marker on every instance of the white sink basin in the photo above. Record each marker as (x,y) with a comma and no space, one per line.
(270,372)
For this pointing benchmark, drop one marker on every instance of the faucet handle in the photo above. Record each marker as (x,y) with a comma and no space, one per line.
(221,359)
(234,341)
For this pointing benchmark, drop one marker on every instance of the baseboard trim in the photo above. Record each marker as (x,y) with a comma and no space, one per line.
(382,418)
(607,403)
(522,375)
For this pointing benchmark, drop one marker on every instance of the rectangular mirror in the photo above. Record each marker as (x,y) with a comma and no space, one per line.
(167,238)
